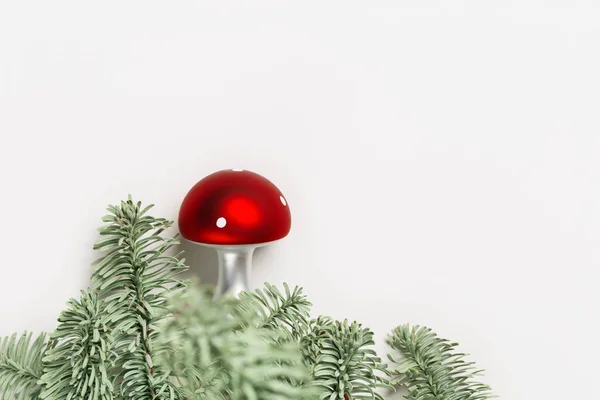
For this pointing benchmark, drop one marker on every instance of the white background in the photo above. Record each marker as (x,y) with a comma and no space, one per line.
(441,158)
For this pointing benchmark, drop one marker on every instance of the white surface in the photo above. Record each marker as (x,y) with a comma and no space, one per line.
(441,159)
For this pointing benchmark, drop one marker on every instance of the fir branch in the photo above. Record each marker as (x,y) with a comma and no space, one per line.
(312,342)
(431,369)
(134,276)
(261,366)
(289,312)
(345,365)
(191,343)
(216,353)
(21,366)
(77,365)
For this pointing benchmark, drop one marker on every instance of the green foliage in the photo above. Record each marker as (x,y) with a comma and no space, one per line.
(134,277)
(345,365)
(431,369)
(288,311)
(21,366)
(138,336)
(312,341)
(216,351)
(77,365)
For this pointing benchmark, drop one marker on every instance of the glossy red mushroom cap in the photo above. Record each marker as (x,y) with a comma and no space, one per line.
(234,207)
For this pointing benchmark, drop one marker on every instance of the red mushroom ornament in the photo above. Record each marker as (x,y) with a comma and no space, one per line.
(234,212)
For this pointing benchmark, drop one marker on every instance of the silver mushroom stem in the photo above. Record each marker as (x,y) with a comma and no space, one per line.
(235,263)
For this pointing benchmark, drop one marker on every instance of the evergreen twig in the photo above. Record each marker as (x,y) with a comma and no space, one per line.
(77,365)
(21,366)
(217,354)
(288,311)
(134,277)
(345,365)
(431,369)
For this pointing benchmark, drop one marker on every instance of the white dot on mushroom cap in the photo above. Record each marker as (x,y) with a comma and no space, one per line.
(283,200)
(221,222)
(237,169)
